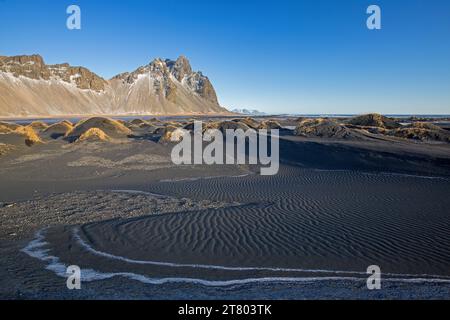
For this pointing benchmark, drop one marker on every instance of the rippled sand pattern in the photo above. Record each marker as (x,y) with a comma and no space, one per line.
(319,220)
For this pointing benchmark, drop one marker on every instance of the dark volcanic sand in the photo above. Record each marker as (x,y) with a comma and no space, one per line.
(309,232)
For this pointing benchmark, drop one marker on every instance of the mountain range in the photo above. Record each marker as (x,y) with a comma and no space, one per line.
(29,87)
(249,112)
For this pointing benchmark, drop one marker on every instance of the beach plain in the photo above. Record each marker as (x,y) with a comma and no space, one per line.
(104,194)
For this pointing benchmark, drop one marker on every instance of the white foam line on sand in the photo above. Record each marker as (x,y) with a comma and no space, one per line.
(36,250)
(90,249)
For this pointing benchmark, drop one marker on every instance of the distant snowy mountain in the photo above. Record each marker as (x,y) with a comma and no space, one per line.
(29,87)
(248,112)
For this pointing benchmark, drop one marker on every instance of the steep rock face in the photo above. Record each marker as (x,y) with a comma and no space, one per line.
(165,76)
(179,68)
(33,67)
(159,81)
(165,87)
(201,85)
(29,87)
(82,77)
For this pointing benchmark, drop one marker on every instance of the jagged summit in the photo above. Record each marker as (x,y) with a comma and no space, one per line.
(34,67)
(29,87)
(165,75)
(179,68)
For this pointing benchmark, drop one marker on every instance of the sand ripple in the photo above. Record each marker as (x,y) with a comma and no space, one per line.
(332,223)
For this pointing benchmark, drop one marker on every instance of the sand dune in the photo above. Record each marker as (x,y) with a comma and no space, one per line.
(269,124)
(370,127)
(6,127)
(19,136)
(139,122)
(374,120)
(224,125)
(250,122)
(425,125)
(57,130)
(422,131)
(219,125)
(111,127)
(171,134)
(325,128)
(38,125)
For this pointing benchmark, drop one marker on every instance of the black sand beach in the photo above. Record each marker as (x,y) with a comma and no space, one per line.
(141,227)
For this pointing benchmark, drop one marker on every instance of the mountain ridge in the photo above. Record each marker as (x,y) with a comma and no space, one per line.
(29,87)
(249,112)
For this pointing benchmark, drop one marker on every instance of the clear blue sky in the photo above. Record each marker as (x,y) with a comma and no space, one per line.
(310,56)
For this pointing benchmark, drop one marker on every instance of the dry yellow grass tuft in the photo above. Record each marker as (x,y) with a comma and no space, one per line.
(421,134)
(7,127)
(94,134)
(38,125)
(424,125)
(67,122)
(224,125)
(29,134)
(269,125)
(250,122)
(170,132)
(4,129)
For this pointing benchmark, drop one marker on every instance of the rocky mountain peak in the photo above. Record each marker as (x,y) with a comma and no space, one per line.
(24,59)
(34,67)
(164,74)
(158,66)
(179,68)
(28,66)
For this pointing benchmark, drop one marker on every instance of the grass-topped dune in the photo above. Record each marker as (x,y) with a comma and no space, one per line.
(6,127)
(139,122)
(374,120)
(110,127)
(421,131)
(38,125)
(248,121)
(57,130)
(270,125)
(16,135)
(171,134)
(370,127)
(326,128)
